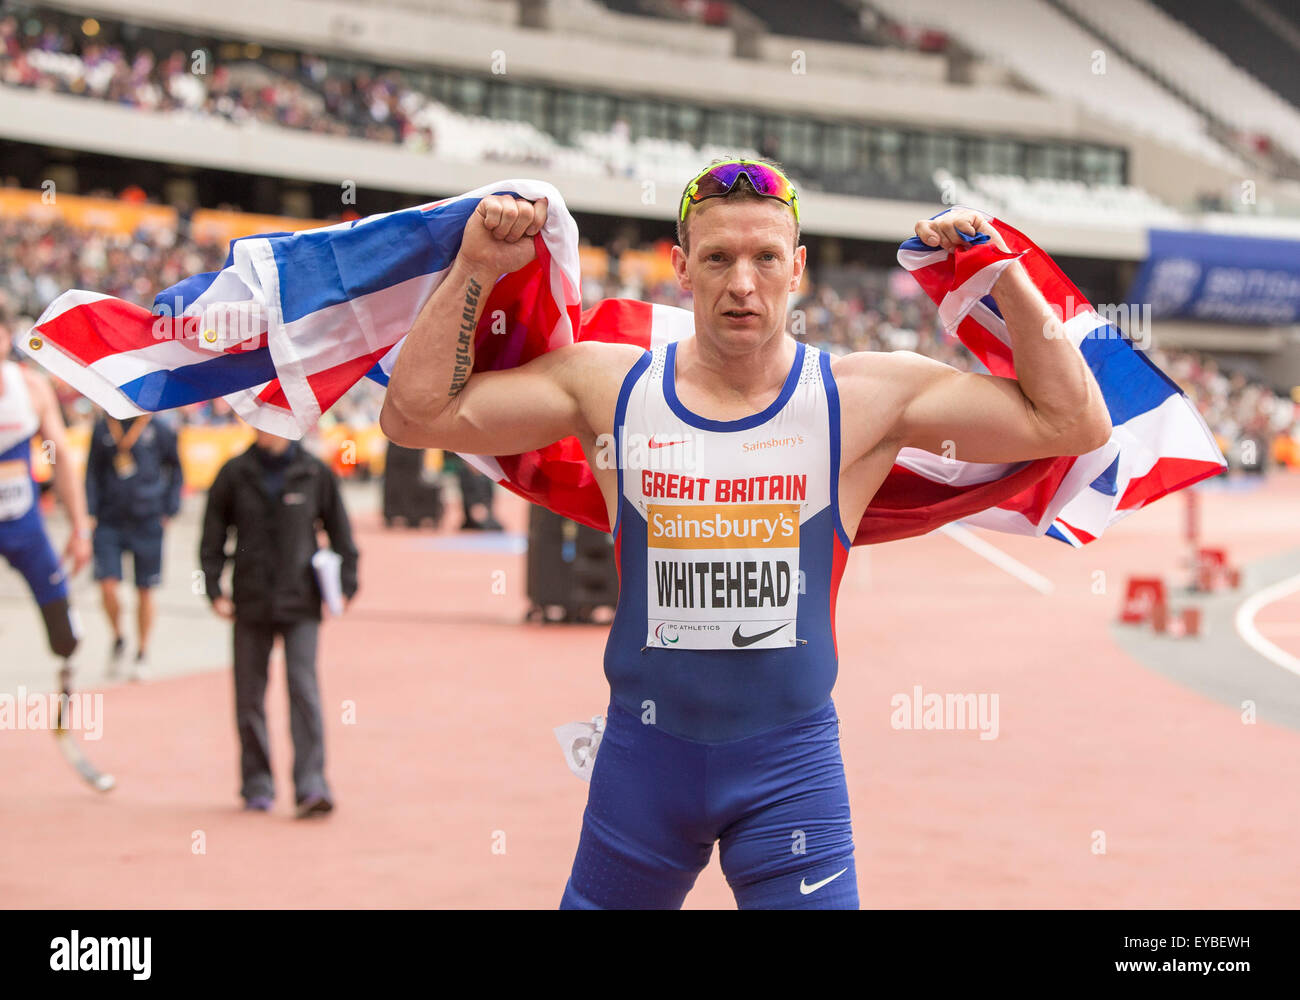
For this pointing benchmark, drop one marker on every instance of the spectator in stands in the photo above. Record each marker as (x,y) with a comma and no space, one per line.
(133,487)
(276,497)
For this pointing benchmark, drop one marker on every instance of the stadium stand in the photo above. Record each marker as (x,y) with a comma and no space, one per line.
(1075,64)
(592,19)
(832,21)
(1014,197)
(490,11)
(1206,74)
(1260,36)
(468,120)
(471,120)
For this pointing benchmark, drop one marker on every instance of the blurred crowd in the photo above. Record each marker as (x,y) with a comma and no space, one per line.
(1234,406)
(378,107)
(840,310)
(40,259)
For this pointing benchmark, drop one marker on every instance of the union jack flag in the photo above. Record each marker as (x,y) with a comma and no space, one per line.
(294,320)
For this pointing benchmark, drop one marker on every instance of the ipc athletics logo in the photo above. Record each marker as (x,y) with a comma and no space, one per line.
(663,636)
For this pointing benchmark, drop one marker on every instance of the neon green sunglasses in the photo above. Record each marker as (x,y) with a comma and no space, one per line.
(720,178)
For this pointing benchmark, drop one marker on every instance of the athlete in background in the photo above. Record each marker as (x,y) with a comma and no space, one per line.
(133,488)
(722,653)
(28,407)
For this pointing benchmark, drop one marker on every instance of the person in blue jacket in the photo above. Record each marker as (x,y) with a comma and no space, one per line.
(133,486)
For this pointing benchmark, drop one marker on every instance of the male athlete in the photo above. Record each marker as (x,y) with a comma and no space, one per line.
(744,462)
(28,406)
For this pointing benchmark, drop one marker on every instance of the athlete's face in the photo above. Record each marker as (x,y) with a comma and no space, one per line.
(741,267)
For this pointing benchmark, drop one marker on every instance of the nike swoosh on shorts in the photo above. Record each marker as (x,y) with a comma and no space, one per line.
(805,888)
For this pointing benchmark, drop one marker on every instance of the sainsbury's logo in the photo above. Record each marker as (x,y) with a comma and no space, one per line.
(722,526)
(792,441)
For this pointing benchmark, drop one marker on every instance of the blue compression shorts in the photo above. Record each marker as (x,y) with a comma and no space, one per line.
(777,802)
(24,543)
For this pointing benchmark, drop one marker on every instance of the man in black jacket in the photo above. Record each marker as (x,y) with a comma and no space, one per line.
(276,496)
(133,486)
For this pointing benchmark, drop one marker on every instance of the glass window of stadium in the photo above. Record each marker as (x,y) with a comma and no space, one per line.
(1051,162)
(470,95)
(927,152)
(848,157)
(435,85)
(1101,166)
(993,156)
(577,111)
(738,129)
(687,122)
(647,118)
(887,153)
(843,148)
(515,102)
(793,141)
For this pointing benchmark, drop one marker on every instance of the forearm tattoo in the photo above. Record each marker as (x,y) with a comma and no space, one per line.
(465,341)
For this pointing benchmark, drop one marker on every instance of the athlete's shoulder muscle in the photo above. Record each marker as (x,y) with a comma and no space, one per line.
(874,387)
(594,373)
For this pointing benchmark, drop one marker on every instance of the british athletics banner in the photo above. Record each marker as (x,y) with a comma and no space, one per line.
(293,321)
(1213,277)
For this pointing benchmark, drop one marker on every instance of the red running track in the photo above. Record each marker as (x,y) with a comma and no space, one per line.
(451,751)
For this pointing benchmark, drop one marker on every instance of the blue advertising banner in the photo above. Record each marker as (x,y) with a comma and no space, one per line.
(1230,279)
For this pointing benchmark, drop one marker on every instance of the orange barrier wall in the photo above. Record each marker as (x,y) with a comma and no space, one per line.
(347,449)
(74,451)
(204,450)
(88,213)
(125,218)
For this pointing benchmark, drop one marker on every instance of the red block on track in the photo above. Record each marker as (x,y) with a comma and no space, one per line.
(1143,597)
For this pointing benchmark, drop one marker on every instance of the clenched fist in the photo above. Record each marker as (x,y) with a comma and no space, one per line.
(499,235)
(943,231)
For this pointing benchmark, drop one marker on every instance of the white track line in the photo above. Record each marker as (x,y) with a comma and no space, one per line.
(1245,623)
(997,557)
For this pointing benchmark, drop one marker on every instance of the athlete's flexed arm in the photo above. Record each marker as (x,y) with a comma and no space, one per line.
(433,401)
(1053,406)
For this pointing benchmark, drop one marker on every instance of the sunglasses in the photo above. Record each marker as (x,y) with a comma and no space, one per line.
(720,178)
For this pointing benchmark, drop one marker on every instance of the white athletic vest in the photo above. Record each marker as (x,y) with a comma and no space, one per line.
(18,422)
(737,515)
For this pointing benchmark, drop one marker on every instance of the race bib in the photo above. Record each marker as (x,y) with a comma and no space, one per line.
(16,495)
(722,576)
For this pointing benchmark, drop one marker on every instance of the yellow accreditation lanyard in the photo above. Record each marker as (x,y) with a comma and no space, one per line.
(123,463)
